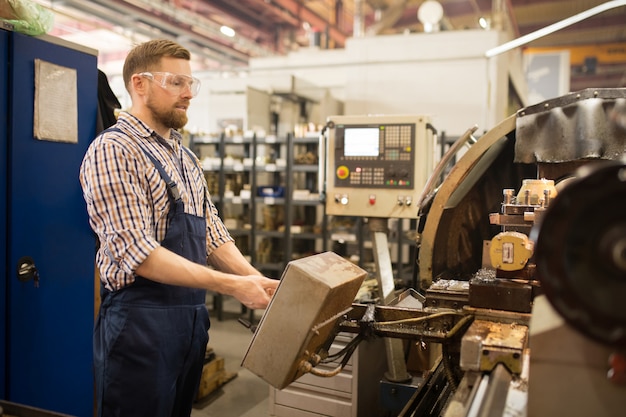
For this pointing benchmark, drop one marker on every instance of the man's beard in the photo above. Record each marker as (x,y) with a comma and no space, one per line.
(172,118)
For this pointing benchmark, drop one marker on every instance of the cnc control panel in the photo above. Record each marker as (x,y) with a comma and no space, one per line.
(377,165)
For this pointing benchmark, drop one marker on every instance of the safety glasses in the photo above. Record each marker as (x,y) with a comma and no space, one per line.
(174,83)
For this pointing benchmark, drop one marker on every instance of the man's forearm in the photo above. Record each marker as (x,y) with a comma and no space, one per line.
(228,258)
(166,267)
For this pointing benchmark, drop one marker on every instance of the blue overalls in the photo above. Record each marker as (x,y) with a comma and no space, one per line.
(150,338)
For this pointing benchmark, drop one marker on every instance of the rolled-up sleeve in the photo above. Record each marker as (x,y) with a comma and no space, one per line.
(120,210)
(217,233)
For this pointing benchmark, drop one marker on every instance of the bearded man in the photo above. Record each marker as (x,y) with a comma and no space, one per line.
(158,232)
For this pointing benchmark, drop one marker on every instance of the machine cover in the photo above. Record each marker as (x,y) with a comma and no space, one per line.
(302,316)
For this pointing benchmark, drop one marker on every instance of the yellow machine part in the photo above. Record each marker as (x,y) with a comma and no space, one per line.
(510,251)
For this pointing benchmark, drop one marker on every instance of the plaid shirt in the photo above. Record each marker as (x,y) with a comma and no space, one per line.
(127,199)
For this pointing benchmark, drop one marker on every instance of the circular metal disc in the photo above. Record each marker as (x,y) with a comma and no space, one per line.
(580,252)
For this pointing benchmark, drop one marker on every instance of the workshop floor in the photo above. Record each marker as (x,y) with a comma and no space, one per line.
(246,395)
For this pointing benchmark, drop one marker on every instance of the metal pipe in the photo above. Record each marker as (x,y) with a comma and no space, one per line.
(554,27)
(358,26)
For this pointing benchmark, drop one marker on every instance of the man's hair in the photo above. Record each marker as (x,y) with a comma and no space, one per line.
(147,56)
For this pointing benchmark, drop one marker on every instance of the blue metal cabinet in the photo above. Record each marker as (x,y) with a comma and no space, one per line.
(47,337)
(4,85)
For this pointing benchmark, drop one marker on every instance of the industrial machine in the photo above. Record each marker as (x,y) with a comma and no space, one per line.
(377,166)
(522,271)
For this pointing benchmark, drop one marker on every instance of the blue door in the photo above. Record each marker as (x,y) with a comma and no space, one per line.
(4,84)
(49,325)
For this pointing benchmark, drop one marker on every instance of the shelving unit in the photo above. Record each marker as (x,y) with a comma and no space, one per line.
(226,178)
(308,225)
(266,190)
(270,199)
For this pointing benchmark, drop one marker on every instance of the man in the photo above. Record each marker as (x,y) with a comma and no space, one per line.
(148,203)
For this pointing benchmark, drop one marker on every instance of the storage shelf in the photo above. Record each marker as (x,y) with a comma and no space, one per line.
(284,176)
(306,140)
(236,200)
(312,202)
(307,235)
(270,201)
(233,169)
(270,233)
(305,168)
(270,168)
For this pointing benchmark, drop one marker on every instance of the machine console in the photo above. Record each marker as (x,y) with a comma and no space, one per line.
(377,165)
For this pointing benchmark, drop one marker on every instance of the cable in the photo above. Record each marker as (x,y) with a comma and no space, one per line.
(354,342)
(308,367)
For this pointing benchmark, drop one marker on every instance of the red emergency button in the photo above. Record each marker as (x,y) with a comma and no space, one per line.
(372,199)
(343,172)
(617,373)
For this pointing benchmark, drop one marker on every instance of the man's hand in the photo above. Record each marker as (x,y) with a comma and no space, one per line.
(254,291)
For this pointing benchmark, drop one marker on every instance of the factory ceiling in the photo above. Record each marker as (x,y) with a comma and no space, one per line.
(268,27)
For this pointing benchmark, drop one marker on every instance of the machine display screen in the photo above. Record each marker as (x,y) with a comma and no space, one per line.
(377,164)
(361,141)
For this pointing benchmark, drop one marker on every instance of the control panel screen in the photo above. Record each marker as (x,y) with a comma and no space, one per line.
(375,155)
(361,141)
(376,165)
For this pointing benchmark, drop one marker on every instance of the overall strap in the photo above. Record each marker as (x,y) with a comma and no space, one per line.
(193,157)
(191,154)
(172,187)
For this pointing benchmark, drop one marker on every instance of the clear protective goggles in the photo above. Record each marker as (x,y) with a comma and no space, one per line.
(174,83)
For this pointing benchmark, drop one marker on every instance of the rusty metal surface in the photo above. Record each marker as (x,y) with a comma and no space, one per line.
(451,294)
(501,294)
(589,124)
(405,323)
(499,316)
(487,343)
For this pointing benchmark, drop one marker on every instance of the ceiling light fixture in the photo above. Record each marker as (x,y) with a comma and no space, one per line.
(228,31)
(430,14)
(484,23)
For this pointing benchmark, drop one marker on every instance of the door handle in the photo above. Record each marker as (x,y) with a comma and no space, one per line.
(26,270)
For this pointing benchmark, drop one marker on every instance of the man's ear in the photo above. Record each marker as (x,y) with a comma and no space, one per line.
(138,84)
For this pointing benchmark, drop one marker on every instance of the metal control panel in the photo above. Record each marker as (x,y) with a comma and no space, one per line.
(377,165)
(313,294)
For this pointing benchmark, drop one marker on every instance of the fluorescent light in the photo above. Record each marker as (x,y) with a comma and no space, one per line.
(228,31)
